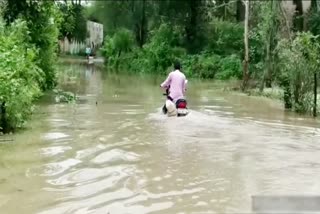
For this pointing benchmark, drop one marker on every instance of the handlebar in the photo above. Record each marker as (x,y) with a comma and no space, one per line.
(167,92)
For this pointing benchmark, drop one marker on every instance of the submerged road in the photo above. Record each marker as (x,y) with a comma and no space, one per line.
(122,155)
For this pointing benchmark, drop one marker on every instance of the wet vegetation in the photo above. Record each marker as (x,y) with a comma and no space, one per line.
(259,43)
(29,32)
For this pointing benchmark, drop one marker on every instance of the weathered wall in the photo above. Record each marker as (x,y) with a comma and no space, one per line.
(95,33)
(94,40)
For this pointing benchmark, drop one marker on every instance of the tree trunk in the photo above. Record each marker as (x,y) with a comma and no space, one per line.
(118,61)
(246,46)
(143,24)
(315,5)
(267,65)
(315,94)
(287,22)
(287,96)
(3,119)
(297,93)
(266,80)
(225,9)
(140,27)
(192,25)
(298,17)
(240,11)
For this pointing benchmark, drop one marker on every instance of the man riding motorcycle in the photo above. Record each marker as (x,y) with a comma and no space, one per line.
(175,85)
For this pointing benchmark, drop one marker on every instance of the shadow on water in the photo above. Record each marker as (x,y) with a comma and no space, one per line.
(114,151)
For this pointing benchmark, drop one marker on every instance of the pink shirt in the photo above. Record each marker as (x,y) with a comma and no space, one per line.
(177,82)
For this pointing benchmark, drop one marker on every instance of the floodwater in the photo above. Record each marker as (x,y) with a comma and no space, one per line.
(114,152)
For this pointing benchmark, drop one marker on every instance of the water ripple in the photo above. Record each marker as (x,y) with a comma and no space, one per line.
(115,155)
(122,155)
(55,136)
(54,150)
(57,168)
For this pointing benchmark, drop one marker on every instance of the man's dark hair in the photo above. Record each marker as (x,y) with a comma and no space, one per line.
(177,65)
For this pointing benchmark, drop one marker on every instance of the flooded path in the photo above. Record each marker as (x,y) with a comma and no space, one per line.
(114,152)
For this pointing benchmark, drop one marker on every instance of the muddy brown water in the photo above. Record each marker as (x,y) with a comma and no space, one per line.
(121,155)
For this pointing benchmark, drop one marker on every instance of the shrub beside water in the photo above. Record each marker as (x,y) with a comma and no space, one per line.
(20,76)
(164,46)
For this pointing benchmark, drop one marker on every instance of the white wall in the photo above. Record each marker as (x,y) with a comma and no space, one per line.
(95,36)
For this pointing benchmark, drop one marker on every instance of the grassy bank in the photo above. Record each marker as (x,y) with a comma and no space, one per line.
(274,93)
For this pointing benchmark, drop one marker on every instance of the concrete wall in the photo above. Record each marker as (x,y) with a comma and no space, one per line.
(94,40)
(95,33)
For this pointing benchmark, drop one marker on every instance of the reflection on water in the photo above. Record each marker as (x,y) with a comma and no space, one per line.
(114,152)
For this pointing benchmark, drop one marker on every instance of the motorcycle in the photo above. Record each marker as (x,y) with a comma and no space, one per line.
(179,108)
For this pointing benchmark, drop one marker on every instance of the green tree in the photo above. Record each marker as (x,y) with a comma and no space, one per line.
(267,29)
(73,23)
(299,62)
(42,21)
(20,76)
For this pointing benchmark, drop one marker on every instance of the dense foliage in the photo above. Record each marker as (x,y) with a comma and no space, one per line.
(42,22)
(20,76)
(208,38)
(29,35)
(147,36)
(165,45)
(73,21)
(159,32)
(29,43)
(299,60)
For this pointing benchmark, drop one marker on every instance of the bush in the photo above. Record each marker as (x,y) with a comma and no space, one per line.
(167,33)
(116,46)
(159,55)
(212,66)
(155,56)
(20,76)
(231,67)
(162,49)
(108,50)
(123,41)
(164,46)
(225,38)
(298,60)
(43,26)
(203,66)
